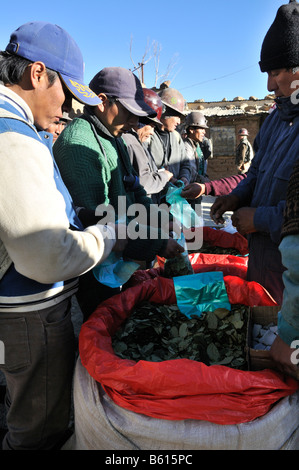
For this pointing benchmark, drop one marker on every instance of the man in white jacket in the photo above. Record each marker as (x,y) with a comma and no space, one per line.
(43,246)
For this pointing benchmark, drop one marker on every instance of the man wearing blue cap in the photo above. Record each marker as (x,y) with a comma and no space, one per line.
(43,246)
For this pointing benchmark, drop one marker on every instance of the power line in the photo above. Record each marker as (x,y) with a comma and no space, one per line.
(219,78)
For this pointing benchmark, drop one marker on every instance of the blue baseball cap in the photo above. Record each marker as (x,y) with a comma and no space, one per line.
(52,45)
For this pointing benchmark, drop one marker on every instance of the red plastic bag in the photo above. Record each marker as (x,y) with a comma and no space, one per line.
(225,239)
(178,389)
(229,265)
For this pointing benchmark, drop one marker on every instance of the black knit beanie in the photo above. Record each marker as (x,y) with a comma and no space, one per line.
(280,47)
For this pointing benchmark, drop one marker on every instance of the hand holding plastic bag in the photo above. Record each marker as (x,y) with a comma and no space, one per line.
(180,208)
(115,271)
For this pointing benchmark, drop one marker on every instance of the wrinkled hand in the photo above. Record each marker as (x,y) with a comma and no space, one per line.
(243,220)
(280,353)
(193,190)
(173,248)
(222,205)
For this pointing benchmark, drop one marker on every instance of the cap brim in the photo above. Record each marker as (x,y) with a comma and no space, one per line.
(80,91)
(138,108)
(151,120)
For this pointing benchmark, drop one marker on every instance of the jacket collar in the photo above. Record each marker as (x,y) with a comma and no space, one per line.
(91,117)
(287,109)
(21,107)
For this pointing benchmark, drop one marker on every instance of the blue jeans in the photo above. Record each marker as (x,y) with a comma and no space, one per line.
(38,368)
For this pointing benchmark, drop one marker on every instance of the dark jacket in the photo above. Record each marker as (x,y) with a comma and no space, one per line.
(142,161)
(265,189)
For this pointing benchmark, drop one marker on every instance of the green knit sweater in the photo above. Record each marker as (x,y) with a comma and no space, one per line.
(92,164)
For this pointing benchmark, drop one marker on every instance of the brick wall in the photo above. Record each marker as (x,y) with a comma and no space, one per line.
(221,166)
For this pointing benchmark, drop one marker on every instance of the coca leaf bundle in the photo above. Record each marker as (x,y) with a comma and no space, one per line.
(161,332)
(217,250)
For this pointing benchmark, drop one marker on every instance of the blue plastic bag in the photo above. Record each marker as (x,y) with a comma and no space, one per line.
(180,208)
(114,271)
(198,293)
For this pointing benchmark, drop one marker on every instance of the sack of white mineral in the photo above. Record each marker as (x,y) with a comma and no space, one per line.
(263,336)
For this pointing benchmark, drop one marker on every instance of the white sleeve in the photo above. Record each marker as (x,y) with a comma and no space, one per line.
(33,224)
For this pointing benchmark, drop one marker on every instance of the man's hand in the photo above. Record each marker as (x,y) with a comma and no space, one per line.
(172,249)
(222,205)
(280,353)
(243,220)
(185,181)
(193,190)
(168,174)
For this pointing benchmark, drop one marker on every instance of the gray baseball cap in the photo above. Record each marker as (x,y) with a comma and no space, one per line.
(123,85)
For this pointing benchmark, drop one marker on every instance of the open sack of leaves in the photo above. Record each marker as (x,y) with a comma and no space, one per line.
(161,332)
(177,389)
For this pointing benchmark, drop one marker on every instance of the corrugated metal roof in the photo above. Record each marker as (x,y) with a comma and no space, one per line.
(232,110)
(219,111)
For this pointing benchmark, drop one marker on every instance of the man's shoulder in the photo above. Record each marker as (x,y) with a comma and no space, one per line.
(76,132)
(77,123)
(176,135)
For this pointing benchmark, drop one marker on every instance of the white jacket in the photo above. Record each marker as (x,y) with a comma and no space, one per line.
(35,217)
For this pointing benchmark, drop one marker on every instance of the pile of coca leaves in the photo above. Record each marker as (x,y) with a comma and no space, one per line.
(161,332)
(180,265)
(217,250)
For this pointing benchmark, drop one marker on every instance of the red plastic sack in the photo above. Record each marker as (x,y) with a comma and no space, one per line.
(178,389)
(225,239)
(229,265)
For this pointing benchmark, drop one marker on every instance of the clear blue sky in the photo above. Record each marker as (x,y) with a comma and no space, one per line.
(213,44)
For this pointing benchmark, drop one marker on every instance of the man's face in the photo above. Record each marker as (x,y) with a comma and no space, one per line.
(50,102)
(197,133)
(283,82)
(56,128)
(170,123)
(115,117)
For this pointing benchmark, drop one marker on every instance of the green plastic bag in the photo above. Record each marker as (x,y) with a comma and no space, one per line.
(180,208)
(198,293)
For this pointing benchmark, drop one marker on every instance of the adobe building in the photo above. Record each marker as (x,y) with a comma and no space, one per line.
(225,118)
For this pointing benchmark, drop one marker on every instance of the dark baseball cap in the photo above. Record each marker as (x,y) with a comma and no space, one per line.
(52,45)
(123,85)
